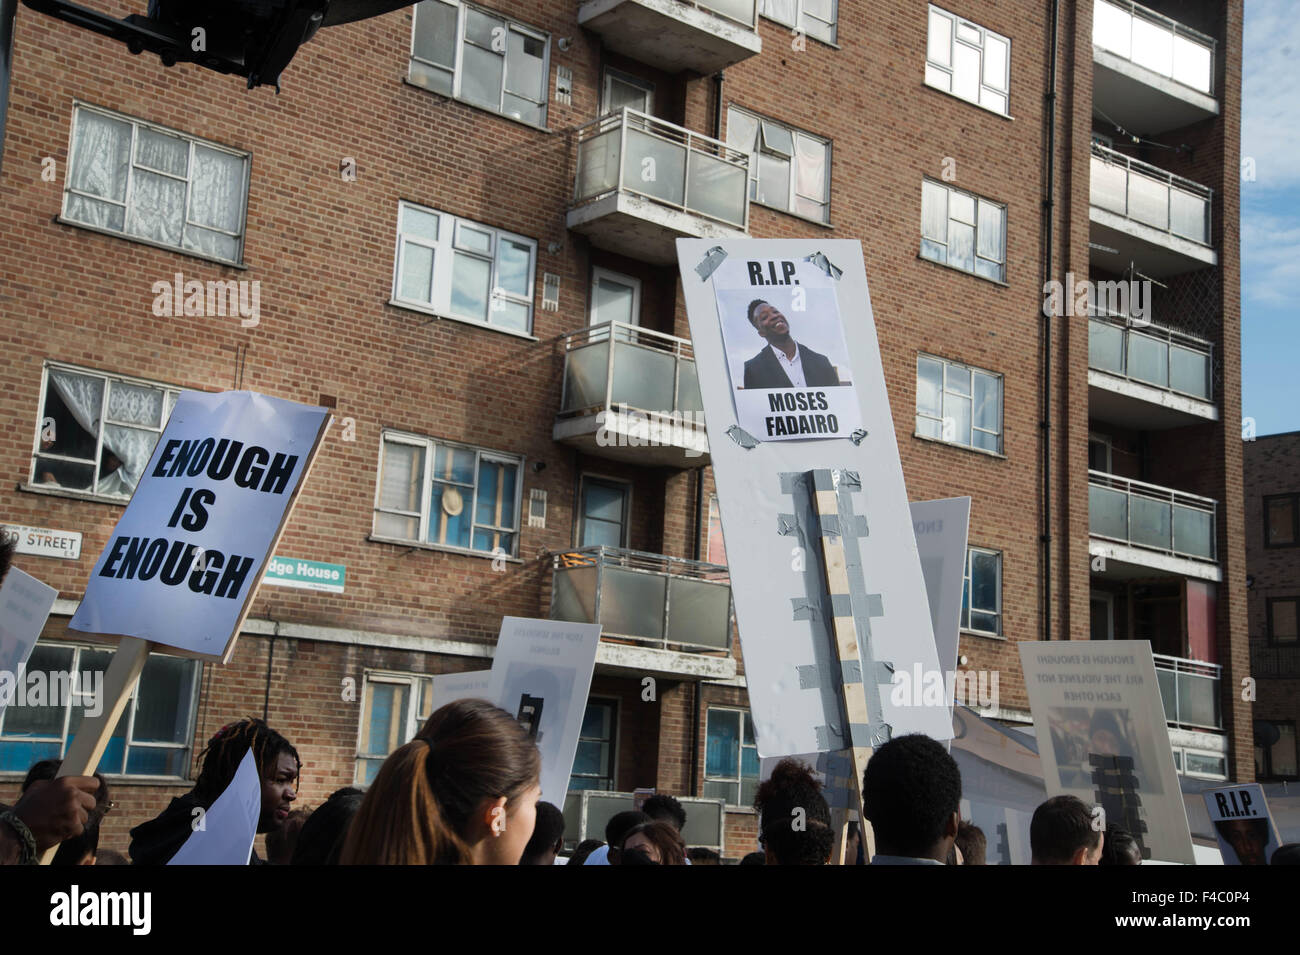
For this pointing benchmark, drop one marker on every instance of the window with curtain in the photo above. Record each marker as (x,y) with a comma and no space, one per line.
(731,765)
(788,169)
(958,404)
(981,597)
(153,737)
(157,185)
(1283,620)
(963,230)
(464,270)
(481,57)
(817,18)
(969,61)
(95,432)
(444,495)
(593,763)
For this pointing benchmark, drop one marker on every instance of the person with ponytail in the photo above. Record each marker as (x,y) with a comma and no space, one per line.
(463,792)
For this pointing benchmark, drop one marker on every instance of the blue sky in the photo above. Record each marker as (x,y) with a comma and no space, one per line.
(1270,216)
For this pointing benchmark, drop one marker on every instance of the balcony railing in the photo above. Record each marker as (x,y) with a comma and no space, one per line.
(1151,40)
(1150,516)
(647,598)
(1150,196)
(618,366)
(631,152)
(1190,691)
(1267,659)
(742,12)
(1151,354)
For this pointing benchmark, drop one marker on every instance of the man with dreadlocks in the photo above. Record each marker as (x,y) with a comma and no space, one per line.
(278,765)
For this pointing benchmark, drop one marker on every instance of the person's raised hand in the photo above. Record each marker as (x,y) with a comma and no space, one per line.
(57,809)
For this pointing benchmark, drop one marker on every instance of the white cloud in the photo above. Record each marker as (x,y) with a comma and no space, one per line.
(1270,126)
(1270,259)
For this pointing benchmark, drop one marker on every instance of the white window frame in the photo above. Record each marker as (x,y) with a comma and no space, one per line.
(1107,598)
(613,703)
(429,447)
(801,18)
(458,71)
(444,250)
(1001,276)
(758,148)
(935,69)
(1105,441)
(739,779)
(598,273)
(136,125)
(170,394)
(186,747)
(957,440)
(421,688)
(627,79)
(1221,757)
(968,592)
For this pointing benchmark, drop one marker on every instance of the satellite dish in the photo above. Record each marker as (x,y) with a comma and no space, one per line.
(254,39)
(1266,733)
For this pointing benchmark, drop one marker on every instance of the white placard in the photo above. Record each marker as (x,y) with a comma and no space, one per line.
(1097,706)
(1246,832)
(449,687)
(941,528)
(541,673)
(771,570)
(44,541)
(229,826)
(25,605)
(185,559)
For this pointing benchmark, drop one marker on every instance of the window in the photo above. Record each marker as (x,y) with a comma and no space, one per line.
(621,90)
(817,18)
(447,495)
(963,230)
(788,169)
(958,404)
(1278,760)
(1208,765)
(968,61)
(482,58)
(153,736)
(1282,620)
(1282,520)
(96,432)
(464,270)
(731,757)
(393,708)
(604,516)
(154,184)
(981,596)
(614,298)
(593,763)
(1099,453)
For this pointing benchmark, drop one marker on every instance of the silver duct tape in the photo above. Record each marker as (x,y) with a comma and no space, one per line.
(709,264)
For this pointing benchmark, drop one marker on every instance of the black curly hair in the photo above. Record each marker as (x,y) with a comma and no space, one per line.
(790,788)
(224,752)
(910,790)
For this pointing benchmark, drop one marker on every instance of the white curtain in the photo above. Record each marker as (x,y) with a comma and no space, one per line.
(83,397)
(101,157)
(217,201)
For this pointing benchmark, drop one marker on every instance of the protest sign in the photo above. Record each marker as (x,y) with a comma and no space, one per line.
(772,516)
(25,605)
(1246,832)
(940,528)
(541,672)
(183,563)
(1102,736)
(449,687)
(224,834)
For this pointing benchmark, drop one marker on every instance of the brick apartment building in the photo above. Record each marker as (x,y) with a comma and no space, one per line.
(447,212)
(1273,559)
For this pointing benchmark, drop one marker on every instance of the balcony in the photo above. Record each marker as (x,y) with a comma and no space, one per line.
(1274,660)
(703,36)
(1142,530)
(1149,216)
(1147,376)
(1151,74)
(1190,692)
(643,183)
(631,394)
(648,600)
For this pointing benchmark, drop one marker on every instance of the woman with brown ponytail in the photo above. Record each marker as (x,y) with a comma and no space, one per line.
(463,792)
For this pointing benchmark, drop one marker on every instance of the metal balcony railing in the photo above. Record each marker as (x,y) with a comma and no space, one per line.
(616,366)
(1190,691)
(1150,353)
(1151,516)
(1154,41)
(647,598)
(632,152)
(743,12)
(1269,659)
(1150,195)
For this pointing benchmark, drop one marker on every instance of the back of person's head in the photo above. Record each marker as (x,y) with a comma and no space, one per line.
(1062,833)
(281,842)
(971,843)
(754,858)
(652,843)
(1119,847)
(419,808)
(664,808)
(226,749)
(794,819)
(7,548)
(320,841)
(110,857)
(584,848)
(548,836)
(911,791)
(82,849)
(1288,854)
(619,825)
(702,856)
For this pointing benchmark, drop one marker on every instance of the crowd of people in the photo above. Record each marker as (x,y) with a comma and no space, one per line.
(466,791)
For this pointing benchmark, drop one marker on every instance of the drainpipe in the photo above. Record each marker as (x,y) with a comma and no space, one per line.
(8,13)
(1045,337)
(717,104)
